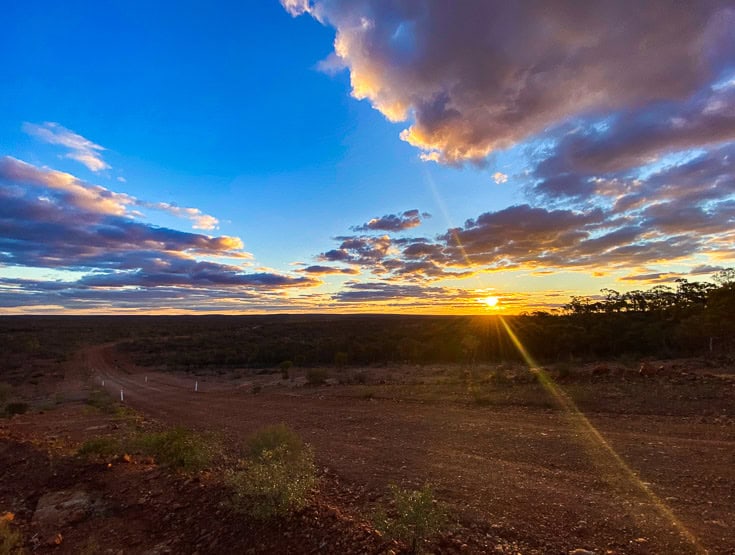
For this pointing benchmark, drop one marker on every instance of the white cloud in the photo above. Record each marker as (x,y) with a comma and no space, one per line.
(82,150)
(500,177)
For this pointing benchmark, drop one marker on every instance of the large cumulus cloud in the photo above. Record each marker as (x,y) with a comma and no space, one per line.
(479,75)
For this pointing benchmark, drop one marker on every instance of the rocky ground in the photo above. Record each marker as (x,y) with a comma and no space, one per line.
(649,469)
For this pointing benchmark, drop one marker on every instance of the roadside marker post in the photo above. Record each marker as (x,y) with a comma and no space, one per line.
(103,383)
(122,397)
(196,386)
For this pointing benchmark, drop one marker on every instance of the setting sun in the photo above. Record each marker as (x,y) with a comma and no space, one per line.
(491,301)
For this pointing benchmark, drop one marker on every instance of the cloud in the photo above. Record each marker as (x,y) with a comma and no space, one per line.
(393,222)
(82,150)
(476,76)
(53,220)
(500,178)
(201,220)
(324,270)
(94,198)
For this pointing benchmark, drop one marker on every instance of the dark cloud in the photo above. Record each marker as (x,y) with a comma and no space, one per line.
(324,270)
(480,75)
(701,269)
(393,222)
(51,220)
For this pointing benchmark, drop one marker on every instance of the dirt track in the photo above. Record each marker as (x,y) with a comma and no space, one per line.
(536,475)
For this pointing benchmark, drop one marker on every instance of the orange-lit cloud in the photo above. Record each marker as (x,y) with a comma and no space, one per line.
(480,75)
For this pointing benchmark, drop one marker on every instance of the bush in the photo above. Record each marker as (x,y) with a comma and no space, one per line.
(102,446)
(5,392)
(415,516)
(285,366)
(11,542)
(277,477)
(101,400)
(178,448)
(316,376)
(16,408)
(272,438)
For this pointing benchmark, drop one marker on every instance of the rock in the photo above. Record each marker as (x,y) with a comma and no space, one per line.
(55,539)
(580,551)
(60,508)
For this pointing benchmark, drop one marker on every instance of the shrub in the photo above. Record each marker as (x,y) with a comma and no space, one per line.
(178,448)
(272,438)
(102,446)
(285,366)
(11,542)
(415,516)
(277,477)
(316,376)
(5,391)
(101,400)
(16,408)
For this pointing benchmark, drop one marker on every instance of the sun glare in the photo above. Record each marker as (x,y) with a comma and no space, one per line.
(492,302)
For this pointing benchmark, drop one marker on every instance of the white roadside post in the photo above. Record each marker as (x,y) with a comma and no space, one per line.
(122,397)
(196,386)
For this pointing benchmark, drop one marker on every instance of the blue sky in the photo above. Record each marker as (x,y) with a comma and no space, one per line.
(561,163)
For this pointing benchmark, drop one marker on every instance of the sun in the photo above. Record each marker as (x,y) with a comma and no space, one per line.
(492,302)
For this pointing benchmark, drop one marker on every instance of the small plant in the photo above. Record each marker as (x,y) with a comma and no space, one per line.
(277,477)
(285,367)
(563,370)
(367,394)
(415,516)
(178,448)
(480,397)
(100,446)
(16,407)
(5,392)
(101,401)
(11,541)
(316,376)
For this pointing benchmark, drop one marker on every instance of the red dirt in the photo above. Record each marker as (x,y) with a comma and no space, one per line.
(520,479)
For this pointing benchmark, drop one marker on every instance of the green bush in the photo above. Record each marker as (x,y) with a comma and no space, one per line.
(316,376)
(415,516)
(272,438)
(277,477)
(178,448)
(102,446)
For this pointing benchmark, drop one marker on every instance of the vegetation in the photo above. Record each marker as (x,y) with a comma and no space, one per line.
(16,407)
(101,446)
(684,318)
(277,476)
(415,515)
(180,449)
(6,391)
(316,376)
(11,541)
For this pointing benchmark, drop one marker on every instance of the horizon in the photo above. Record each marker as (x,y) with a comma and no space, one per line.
(328,158)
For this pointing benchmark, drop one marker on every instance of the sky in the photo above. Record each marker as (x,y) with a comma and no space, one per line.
(422,156)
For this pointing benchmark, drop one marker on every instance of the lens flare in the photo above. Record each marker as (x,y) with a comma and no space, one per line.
(616,470)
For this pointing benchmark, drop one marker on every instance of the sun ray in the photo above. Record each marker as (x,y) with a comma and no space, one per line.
(597,443)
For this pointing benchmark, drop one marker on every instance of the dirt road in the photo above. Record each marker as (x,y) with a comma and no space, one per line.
(555,480)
